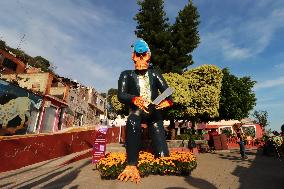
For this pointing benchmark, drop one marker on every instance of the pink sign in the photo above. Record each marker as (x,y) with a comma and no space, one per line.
(99,147)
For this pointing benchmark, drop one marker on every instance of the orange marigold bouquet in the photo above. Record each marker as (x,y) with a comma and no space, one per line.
(178,163)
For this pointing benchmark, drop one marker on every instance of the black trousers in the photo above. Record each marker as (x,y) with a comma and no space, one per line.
(133,134)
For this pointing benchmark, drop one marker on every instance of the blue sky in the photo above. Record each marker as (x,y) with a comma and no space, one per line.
(90,40)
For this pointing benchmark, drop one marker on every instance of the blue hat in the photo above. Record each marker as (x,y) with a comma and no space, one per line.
(141,46)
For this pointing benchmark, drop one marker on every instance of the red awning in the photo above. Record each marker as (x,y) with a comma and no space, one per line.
(212,126)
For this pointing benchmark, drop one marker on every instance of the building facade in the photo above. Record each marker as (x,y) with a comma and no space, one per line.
(60,102)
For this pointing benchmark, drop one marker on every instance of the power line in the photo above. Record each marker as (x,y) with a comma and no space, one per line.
(21,41)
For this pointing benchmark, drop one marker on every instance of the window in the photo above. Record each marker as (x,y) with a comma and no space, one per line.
(249,130)
(225,129)
(9,64)
(79,118)
(101,102)
(72,99)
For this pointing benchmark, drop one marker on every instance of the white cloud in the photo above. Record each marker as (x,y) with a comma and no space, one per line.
(230,50)
(270,83)
(243,39)
(279,66)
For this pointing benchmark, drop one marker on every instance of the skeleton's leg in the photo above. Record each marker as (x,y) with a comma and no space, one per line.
(158,137)
(133,137)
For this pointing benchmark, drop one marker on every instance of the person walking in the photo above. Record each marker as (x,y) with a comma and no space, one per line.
(240,139)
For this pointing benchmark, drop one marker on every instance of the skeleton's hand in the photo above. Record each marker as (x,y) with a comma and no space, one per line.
(141,103)
(130,172)
(164,104)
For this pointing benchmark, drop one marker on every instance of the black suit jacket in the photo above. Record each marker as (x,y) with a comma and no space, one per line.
(128,86)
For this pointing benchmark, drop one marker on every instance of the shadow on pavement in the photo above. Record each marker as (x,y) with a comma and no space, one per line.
(199,183)
(264,172)
(234,158)
(6,184)
(67,178)
(27,170)
(42,180)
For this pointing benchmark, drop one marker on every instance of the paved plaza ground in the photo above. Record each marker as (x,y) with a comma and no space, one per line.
(214,170)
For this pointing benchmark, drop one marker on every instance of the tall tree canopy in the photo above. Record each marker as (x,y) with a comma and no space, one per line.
(237,97)
(185,37)
(261,117)
(170,45)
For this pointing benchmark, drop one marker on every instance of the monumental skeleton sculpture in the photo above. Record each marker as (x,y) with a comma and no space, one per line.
(137,89)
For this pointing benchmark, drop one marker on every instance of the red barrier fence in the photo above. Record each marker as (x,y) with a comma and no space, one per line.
(233,143)
(20,151)
(112,135)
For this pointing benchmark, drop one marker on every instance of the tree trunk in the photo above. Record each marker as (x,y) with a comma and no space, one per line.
(172,129)
(193,126)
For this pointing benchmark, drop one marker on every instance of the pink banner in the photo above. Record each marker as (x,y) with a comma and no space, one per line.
(99,147)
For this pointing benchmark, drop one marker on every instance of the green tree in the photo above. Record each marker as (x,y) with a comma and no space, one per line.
(237,97)
(40,62)
(111,111)
(185,38)
(2,45)
(170,45)
(111,92)
(21,55)
(118,107)
(153,27)
(197,93)
(261,117)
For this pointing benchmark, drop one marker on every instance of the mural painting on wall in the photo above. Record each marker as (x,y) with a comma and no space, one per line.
(68,118)
(19,109)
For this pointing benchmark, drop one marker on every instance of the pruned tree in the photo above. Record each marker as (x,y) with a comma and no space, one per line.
(197,93)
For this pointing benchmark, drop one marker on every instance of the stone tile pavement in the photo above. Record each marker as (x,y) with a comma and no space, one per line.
(214,170)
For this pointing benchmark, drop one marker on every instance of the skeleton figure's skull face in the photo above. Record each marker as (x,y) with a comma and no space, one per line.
(141,60)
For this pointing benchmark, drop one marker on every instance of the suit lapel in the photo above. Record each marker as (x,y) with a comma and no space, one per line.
(151,80)
(136,81)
